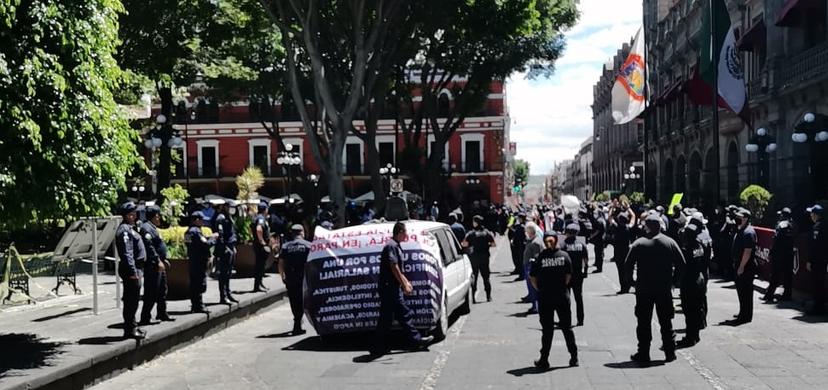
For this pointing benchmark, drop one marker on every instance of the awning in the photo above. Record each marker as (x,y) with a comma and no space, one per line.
(753,36)
(792,12)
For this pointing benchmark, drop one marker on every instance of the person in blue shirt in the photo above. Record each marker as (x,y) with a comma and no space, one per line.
(131,257)
(457,228)
(155,268)
(261,246)
(225,252)
(198,252)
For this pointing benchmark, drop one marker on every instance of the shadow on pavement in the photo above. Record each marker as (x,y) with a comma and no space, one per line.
(531,370)
(276,335)
(812,319)
(733,323)
(119,325)
(23,351)
(100,340)
(66,313)
(632,364)
(347,343)
(522,314)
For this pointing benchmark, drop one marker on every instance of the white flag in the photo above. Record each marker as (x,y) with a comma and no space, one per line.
(628,98)
(731,77)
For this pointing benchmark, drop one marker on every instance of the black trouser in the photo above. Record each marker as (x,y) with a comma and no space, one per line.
(599,254)
(663,303)
(293,283)
(692,302)
(548,305)
(782,272)
(577,285)
(624,275)
(480,265)
(226,258)
(818,285)
(131,297)
(155,293)
(392,305)
(517,258)
(744,289)
(198,282)
(261,259)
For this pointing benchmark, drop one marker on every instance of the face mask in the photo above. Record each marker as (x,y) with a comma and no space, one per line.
(738,221)
(232,211)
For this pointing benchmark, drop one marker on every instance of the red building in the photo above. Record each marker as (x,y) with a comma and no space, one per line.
(218,151)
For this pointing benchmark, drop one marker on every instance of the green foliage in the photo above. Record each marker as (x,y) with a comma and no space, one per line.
(65,147)
(175,198)
(243,225)
(521,170)
(601,197)
(249,182)
(174,239)
(637,198)
(756,199)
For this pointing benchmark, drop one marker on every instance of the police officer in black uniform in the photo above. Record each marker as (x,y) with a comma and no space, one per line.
(292,259)
(659,261)
(621,239)
(225,252)
(551,274)
(517,238)
(692,285)
(198,252)
(819,258)
(478,241)
(599,230)
(261,248)
(392,285)
(155,268)
(744,248)
(579,255)
(131,257)
(781,257)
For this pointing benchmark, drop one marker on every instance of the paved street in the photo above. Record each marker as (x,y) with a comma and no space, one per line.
(494,348)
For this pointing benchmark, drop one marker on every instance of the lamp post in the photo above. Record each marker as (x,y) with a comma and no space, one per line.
(138,190)
(632,176)
(314,180)
(289,159)
(813,129)
(762,143)
(157,135)
(389,172)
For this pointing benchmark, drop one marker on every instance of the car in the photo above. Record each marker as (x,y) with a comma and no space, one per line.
(342,274)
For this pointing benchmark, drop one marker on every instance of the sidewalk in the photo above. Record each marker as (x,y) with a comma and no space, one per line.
(60,344)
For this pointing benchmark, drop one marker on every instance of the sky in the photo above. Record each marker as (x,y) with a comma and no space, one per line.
(552,117)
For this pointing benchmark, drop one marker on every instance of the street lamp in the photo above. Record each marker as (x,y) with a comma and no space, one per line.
(472,181)
(138,190)
(633,176)
(389,172)
(289,159)
(761,144)
(813,129)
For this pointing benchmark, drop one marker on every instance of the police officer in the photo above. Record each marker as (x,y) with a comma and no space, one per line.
(198,252)
(292,259)
(551,274)
(744,247)
(131,257)
(818,259)
(599,230)
(781,257)
(392,285)
(225,251)
(517,238)
(621,239)
(692,286)
(155,268)
(706,241)
(478,241)
(659,260)
(579,255)
(261,236)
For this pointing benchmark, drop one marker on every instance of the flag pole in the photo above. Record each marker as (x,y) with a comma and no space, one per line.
(715,120)
(646,154)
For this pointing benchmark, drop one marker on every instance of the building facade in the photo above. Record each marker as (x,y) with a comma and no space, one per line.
(616,147)
(583,175)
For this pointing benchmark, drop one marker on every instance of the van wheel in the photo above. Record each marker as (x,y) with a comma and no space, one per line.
(441,330)
(465,308)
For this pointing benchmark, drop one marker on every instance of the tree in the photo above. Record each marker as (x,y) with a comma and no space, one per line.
(461,49)
(756,198)
(65,147)
(341,47)
(521,171)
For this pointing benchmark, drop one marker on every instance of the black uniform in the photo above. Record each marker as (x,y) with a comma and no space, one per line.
(818,261)
(621,239)
(692,286)
(198,252)
(745,239)
(225,252)
(131,257)
(260,250)
(392,303)
(658,259)
(480,241)
(517,236)
(600,226)
(782,254)
(155,281)
(550,270)
(295,254)
(579,256)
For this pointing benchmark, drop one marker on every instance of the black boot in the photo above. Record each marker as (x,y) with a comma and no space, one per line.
(297,328)
(573,360)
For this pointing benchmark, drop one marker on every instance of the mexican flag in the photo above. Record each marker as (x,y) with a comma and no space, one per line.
(731,77)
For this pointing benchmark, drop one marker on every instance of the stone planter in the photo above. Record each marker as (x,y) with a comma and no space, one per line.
(178,278)
(245,264)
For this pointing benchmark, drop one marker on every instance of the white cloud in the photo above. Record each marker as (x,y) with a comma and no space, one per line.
(551,118)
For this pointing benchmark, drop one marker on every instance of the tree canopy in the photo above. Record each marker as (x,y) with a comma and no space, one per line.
(65,147)
(521,168)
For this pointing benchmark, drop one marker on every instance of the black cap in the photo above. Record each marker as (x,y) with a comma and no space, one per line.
(196,215)
(262,206)
(127,207)
(152,211)
(573,227)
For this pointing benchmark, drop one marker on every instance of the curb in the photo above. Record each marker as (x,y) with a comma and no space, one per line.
(125,355)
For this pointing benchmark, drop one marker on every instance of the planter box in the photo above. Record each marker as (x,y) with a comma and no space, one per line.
(178,278)
(245,264)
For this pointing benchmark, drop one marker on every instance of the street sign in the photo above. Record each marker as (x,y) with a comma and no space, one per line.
(397,185)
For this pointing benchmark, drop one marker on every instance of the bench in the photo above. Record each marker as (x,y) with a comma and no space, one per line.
(36,265)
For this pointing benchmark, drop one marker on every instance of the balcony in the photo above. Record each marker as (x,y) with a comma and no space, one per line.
(804,68)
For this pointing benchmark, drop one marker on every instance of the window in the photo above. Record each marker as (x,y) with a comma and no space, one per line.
(386,153)
(445,246)
(353,159)
(432,144)
(259,154)
(472,152)
(208,164)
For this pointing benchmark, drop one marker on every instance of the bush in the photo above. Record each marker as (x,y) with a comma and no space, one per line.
(602,197)
(249,182)
(175,198)
(756,199)
(637,198)
(174,239)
